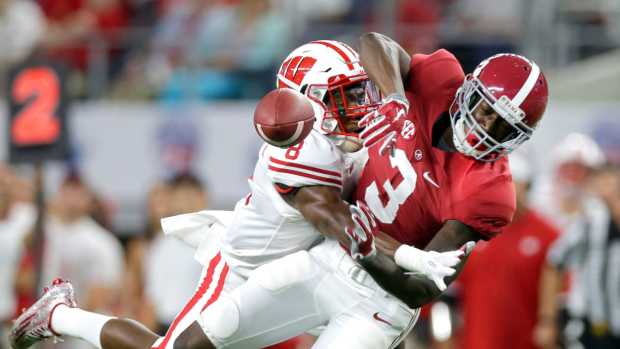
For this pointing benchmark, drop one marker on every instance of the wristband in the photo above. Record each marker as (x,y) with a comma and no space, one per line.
(407,256)
(398,97)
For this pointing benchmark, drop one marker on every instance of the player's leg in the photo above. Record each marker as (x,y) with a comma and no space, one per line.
(56,314)
(361,329)
(377,320)
(276,303)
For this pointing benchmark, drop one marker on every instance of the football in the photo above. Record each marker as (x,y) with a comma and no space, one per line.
(283,117)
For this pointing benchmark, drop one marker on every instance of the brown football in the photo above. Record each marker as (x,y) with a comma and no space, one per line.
(283,117)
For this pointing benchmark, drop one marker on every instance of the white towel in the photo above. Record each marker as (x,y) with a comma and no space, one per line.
(201,230)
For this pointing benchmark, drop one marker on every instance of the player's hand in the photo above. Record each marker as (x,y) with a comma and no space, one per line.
(434,265)
(385,123)
(362,234)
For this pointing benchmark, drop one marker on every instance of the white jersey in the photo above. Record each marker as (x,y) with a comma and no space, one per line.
(265,227)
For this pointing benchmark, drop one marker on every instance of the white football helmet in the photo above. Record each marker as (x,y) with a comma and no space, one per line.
(329,73)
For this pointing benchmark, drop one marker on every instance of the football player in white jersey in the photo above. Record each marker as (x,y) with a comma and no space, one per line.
(295,201)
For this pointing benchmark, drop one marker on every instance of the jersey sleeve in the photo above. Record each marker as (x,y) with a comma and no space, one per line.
(433,75)
(315,161)
(487,208)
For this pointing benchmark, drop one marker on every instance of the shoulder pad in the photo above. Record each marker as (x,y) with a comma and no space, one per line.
(315,161)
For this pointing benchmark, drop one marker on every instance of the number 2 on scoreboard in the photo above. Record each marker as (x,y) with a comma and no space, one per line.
(35,123)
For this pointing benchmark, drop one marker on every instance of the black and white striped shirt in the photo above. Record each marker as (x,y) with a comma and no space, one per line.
(591,248)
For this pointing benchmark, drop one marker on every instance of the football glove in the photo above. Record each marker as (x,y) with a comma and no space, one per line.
(384,123)
(362,233)
(433,265)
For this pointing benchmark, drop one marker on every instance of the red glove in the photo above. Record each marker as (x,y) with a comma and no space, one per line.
(386,122)
(362,234)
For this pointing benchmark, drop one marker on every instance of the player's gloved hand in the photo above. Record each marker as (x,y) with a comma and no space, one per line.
(362,234)
(385,123)
(434,265)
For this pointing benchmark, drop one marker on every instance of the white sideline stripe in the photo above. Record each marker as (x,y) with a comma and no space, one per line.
(295,136)
(528,86)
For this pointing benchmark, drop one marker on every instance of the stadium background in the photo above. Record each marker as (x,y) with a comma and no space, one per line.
(166,87)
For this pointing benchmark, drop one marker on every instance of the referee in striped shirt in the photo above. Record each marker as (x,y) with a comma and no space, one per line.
(590,249)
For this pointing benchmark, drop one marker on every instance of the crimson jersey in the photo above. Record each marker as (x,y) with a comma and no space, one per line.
(418,187)
(514,260)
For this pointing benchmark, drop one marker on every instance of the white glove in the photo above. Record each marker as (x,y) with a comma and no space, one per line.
(434,265)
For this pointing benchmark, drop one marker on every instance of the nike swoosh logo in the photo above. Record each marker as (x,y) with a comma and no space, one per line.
(378,318)
(427,176)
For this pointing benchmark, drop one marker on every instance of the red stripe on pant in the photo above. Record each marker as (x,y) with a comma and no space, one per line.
(204,286)
(218,289)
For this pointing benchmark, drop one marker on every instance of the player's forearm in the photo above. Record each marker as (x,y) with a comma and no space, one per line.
(385,62)
(322,207)
(452,236)
(413,290)
(330,219)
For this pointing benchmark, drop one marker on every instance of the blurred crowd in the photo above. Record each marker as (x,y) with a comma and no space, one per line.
(229,49)
(129,277)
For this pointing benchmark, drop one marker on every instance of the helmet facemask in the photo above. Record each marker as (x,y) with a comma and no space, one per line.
(506,133)
(345,101)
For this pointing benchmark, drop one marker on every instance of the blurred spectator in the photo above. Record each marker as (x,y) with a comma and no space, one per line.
(167,256)
(194,43)
(16,221)
(80,31)
(591,247)
(559,196)
(418,25)
(80,250)
(591,25)
(607,135)
(484,29)
(21,27)
(156,259)
(136,305)
(499,283)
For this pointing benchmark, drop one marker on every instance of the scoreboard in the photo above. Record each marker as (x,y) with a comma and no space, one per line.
(38,103)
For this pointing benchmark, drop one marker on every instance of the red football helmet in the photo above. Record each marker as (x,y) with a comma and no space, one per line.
(509,85)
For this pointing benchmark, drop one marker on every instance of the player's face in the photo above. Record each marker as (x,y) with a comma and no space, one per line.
(492,123)
(347,98)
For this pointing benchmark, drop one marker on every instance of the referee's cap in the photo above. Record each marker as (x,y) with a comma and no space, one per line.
(579,148)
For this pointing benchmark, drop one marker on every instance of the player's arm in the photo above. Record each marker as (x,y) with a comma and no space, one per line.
(387,64)
(385,61)
(414,289)
(353,226)
(323,207)
(453,235)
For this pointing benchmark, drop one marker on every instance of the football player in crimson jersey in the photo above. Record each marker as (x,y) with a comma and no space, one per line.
(296,195)
(436,174)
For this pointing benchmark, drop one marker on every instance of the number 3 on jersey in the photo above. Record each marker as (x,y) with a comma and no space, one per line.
(395,196)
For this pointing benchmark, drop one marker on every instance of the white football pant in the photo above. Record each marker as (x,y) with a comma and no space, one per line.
(302,291)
